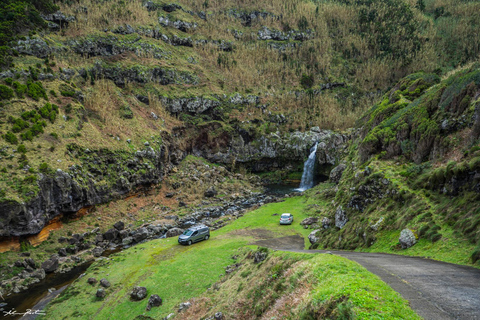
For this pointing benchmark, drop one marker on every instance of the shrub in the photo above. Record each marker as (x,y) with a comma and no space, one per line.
(9,81)
(10,137)
(5,92)
(35,90)
(22,149)
(43,167)
(20,89)
(66,90)
(307,81)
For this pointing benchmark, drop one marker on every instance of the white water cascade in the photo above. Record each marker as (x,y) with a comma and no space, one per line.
(308,170)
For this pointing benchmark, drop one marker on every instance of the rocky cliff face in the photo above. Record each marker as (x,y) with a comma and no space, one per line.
(103,176)
(275,150)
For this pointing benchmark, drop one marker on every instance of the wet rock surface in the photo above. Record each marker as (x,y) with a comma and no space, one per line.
(275,150)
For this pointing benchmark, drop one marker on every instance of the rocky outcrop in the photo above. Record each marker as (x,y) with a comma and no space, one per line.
(189,105)
(152,6)
(58,20)
(68,192)
(113,45)
(271,34)
(140,74)
(172,40)
(34,47)
(341,218)
(276,150)
(177,24)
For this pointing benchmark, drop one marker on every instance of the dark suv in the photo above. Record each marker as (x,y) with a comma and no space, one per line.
(194,234)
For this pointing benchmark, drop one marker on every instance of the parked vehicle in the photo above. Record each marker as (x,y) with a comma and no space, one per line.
(286,218)
(194,234)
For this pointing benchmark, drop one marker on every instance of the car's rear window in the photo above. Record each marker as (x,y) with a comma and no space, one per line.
(286,215)
(187,232)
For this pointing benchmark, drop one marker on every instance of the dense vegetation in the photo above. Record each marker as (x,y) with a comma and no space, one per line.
(414,164)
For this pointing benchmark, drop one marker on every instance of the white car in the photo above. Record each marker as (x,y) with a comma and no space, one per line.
(286,218)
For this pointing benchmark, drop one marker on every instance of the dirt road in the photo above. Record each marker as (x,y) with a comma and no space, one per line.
(436,290)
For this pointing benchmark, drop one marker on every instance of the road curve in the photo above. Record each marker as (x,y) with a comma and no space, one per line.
(435,290)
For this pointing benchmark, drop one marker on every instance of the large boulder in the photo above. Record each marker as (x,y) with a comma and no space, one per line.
(138,293)
(105,283)
(309,221)
(312,237)
(407,238)
(50,265)
(174,232)
(119,225)
(101,293)
(154,301)
(111,234)
(140,235)
(341,218)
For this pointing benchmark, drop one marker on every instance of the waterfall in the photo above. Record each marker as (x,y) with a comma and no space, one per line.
(308,170)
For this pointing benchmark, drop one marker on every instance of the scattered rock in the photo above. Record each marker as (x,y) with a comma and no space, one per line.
(62,252)
(105,283)
(91,281)
(407,238)
(259,256)
(210,192)
(377,224)
(38,274)
(154,301)
(138,293)
(326,223)
(97,252)
(30,262)
(101,293)
(218,316)
(340,218)
(184,306)
(309,221)
(119,225)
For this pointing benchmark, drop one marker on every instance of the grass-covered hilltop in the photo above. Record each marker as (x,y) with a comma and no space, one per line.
(122,123)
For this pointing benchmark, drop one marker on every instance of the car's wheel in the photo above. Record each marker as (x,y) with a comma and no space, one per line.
(189,242)
(206,237)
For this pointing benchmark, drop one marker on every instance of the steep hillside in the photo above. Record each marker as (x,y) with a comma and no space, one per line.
(414,163)
(129,88)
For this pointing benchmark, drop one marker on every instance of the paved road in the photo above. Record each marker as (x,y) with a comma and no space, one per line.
(436,290)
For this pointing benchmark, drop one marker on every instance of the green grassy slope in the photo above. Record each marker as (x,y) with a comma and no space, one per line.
(179,273)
